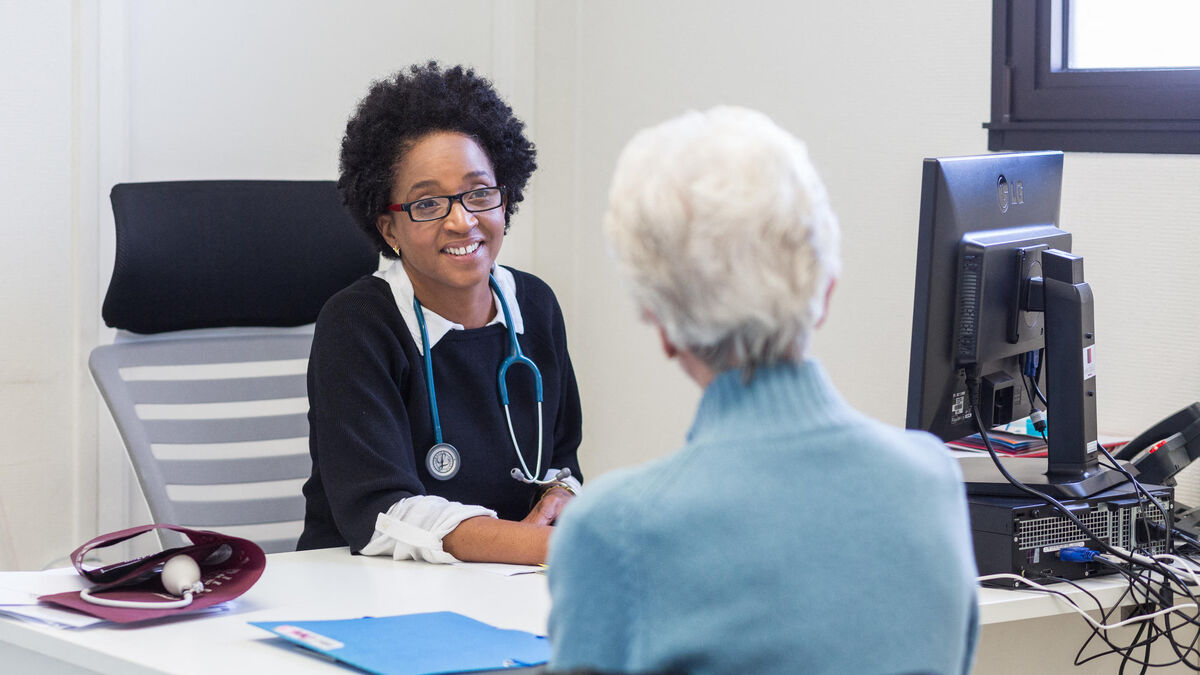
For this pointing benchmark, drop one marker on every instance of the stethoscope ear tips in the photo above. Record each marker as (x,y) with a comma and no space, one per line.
(520,475)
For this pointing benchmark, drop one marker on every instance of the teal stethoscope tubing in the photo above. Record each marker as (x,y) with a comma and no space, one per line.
(514,357)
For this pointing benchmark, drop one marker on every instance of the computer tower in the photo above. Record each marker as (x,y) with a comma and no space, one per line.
(1022,535)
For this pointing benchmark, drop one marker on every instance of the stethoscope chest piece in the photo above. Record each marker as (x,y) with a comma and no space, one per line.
(443,461)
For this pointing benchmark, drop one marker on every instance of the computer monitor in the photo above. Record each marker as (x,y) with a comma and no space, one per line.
(997,292)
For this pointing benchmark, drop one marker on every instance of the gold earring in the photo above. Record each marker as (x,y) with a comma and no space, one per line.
(397,250)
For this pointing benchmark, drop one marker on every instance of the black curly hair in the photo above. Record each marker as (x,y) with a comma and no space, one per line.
(399,111)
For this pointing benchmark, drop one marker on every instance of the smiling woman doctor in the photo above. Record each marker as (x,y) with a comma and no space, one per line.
(444,414)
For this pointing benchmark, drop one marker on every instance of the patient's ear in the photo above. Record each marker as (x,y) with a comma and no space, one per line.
(825,309)
(668,347)
(696,369)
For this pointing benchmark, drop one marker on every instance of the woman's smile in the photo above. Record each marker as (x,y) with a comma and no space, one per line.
(461,251)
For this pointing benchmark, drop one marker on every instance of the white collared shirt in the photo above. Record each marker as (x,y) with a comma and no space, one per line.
(435,324)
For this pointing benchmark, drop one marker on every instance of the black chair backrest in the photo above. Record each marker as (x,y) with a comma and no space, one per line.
(205,254)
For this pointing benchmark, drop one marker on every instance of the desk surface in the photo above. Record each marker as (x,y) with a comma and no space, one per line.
(332,584)
(313,585)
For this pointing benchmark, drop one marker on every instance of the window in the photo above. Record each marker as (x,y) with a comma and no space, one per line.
(1095,76)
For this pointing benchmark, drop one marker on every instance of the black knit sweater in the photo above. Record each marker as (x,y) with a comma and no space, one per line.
(369,418)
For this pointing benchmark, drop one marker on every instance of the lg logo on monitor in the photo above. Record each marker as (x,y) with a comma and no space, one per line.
(1009,194)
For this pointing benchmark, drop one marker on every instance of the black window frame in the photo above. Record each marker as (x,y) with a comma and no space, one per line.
(1038,104)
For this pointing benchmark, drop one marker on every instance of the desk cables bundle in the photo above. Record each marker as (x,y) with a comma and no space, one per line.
(1161,587)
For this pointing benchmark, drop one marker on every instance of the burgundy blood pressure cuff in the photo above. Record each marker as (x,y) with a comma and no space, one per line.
(229,566)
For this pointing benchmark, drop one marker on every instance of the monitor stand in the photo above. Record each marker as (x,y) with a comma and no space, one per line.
(1072,469)
(983,478)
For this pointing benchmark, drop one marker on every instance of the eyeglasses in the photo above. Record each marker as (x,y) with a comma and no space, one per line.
(432,208)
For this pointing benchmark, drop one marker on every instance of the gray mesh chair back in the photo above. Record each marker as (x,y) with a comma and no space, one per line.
(215,288)
(216,427)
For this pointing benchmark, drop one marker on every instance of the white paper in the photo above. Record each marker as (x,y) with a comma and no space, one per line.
(23,588)
(501,569)
(50,616)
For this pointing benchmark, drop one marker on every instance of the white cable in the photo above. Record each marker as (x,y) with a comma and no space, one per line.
(524,474)
(1099,607)
(1154,564)
(539,460)
(180,576)
(1184,569)
(1182,566)
(1136,557)
(130,604)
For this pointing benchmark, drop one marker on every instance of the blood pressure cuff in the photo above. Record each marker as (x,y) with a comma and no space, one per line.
(229,566)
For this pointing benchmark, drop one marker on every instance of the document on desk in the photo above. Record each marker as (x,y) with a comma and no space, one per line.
(415,644)
(501,569)
(19,593)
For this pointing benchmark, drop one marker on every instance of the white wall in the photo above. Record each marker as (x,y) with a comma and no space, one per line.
(100,92)
(873,87)
(40,473)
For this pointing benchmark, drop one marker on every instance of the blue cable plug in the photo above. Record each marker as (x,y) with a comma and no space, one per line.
(1077,554)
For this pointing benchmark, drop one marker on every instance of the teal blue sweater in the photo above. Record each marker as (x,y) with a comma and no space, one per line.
(790,534)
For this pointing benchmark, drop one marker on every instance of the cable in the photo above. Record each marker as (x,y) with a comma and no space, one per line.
(1141,491)
(1035,415)
(1160,596)
(1187,538)
(1149,628)
(130,604)
(1190,568)
(1159,560)
(1084,614)
(1100,635)
(987,442)
(180,576)
(1039,358)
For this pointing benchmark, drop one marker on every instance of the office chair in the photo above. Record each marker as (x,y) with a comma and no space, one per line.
(215,287)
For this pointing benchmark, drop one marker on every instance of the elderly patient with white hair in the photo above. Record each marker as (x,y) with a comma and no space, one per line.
(790,533)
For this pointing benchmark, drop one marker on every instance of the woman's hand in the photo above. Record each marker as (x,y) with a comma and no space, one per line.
(550,506)
(484,539)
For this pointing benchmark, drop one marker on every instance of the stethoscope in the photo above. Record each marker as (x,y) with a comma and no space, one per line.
(443,460)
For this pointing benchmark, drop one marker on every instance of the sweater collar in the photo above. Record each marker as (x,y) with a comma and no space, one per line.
(795,391)
(436,325)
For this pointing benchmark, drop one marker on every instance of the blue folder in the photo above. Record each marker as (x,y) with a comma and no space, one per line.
(412,644)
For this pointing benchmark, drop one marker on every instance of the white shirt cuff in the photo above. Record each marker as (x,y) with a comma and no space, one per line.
(414,527)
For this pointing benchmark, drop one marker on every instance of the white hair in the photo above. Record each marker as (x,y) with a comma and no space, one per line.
(724,230)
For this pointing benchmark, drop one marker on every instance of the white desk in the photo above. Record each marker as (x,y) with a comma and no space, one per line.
(327,584)
(1023,631)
